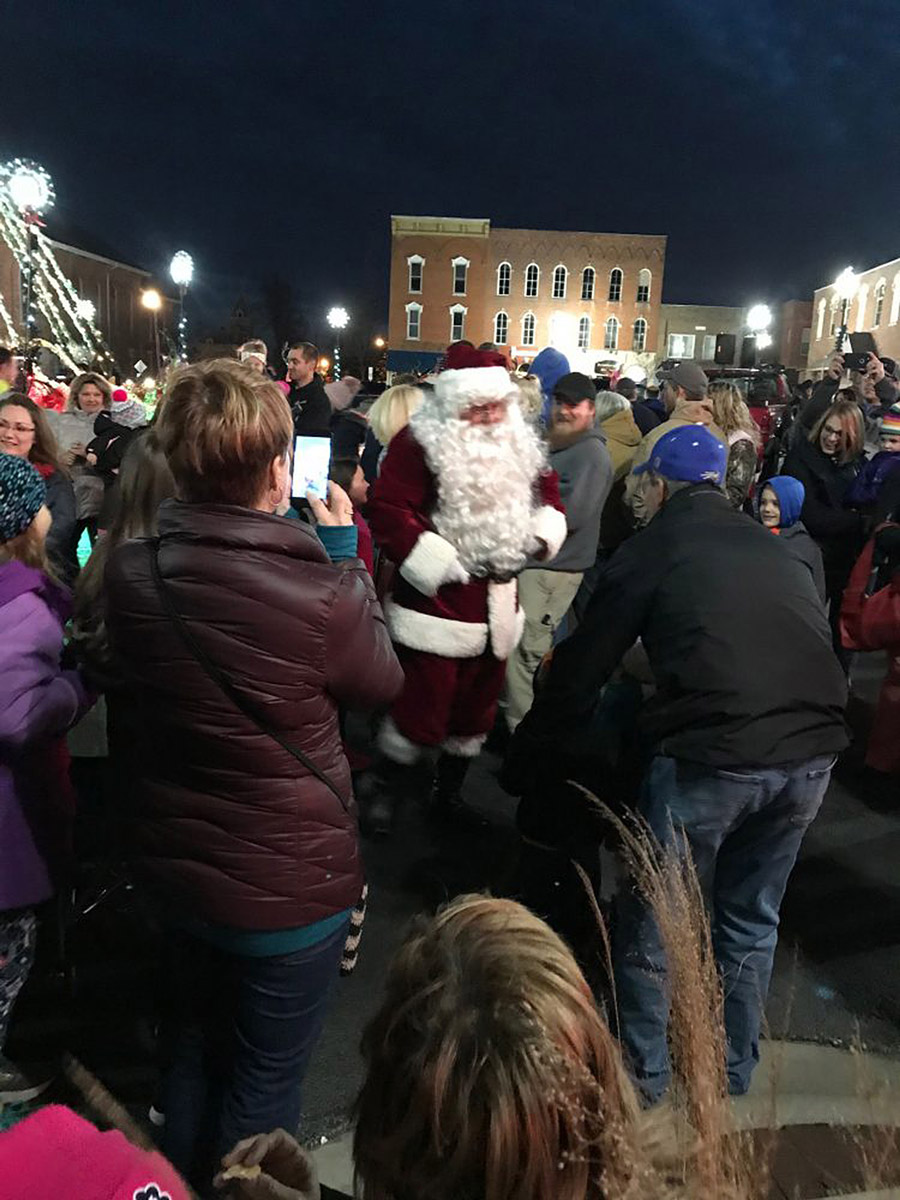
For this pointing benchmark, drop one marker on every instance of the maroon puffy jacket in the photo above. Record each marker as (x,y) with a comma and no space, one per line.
(228,824)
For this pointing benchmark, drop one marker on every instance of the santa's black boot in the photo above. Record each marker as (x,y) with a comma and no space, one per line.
(380,796)
(447,805)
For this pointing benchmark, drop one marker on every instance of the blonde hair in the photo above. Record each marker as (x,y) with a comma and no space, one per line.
(85,378)
(730,411)
(491,1074)
(29,548)
(220,426)
(531,398)
(392,410)
(849,414)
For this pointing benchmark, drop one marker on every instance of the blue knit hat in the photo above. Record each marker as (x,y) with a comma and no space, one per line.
(22,493)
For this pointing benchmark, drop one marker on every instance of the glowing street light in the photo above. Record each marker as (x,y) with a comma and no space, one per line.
(338,318)
(86,310)
(379,342)
(152,301)
(846,285)
(181,268)
(29,186)
(759,318)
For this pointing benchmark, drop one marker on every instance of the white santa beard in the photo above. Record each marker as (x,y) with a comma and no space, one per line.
(485,483)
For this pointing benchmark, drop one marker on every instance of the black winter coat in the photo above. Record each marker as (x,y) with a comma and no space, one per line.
(62,538)
(839,532)
(796,538)
(310,407)
(737,639)
(228,825)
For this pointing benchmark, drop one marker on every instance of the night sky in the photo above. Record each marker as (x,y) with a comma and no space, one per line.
(276,137)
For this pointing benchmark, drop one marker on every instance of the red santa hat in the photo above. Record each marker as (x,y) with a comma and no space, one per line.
(472,377)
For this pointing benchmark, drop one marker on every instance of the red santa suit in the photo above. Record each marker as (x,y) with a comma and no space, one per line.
(459,509)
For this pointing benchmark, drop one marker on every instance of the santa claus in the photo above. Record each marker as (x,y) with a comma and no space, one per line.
(463,500)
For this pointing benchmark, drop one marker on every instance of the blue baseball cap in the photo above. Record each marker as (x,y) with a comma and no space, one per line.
(689,454)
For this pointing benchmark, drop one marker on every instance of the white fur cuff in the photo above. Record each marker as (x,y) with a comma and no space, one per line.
(505,621)
(393,745)
(464,747)
(435,635)
(550,526)
(429,564)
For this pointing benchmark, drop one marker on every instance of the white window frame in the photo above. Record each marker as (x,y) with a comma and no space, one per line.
(500,267)
(526,340)
(459,261)
(498,340)
(584,332)
(862,301)
(615,285)
(639,335)
(537,282)
(559,291)
(680,345)
(644,271)
(458,310)
(588,283)
(415,260)
(612,325)
(879,294)
(834,322)
(895,300)
(414,307)
(820,320)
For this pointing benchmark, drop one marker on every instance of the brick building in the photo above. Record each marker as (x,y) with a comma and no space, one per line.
(875,308)
(595,296)
(692,330)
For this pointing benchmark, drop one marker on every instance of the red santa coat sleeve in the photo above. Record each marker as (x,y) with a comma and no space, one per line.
(550,518)
(399,517)
(870,622)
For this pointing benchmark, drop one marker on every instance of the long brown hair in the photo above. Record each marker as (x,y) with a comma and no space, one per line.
(28,548)
(491,1074)
(45,450)
(848,412)
(144,482)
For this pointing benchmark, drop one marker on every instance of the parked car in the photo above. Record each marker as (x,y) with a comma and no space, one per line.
(766,390)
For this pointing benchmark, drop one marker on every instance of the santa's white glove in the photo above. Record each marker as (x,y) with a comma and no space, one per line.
(456,573)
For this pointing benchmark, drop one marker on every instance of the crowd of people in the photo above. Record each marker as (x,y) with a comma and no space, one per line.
(622,588)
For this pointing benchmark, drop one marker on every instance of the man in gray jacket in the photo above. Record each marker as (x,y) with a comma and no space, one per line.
(579,456)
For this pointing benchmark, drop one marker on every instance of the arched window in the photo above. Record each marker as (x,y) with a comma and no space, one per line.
(835,318)
(457,322)
(584,333)
(504,275)
(615,283)
(532,279)
(880,289)
(416,263)
(560,277)
(639,336)
(820,323)
(895,299)
(501,329)
(587,283)
(643,288)
(528,329)
(611,334)
(413,321)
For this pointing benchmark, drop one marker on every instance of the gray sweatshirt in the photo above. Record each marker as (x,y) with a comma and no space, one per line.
(585,477)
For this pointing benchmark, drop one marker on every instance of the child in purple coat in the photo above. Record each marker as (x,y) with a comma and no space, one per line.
(38,702)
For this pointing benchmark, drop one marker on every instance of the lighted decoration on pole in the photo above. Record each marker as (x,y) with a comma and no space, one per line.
(846,285)
(152,301)
(181,268)
(86,309)
(30,189)
(338,319)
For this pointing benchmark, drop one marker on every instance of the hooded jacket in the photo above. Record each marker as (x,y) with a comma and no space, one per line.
(585,477)
(792,532)
(622,440)
(549,366)
(228,826)
(39,703)
(685,412)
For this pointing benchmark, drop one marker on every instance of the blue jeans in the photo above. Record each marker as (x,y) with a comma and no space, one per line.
(238,1035)
(744,828)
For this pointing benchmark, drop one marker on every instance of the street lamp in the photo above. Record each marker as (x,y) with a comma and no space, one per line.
(759,318)
(30,189)
(379,342)
(181,268)
(846,286)
(152,301)
(338,319)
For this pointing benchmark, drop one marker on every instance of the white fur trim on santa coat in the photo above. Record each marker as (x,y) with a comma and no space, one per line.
(430,563)
(395,746)
(435,635)
(505,621)
(550,526)
(464,747)
(457,390)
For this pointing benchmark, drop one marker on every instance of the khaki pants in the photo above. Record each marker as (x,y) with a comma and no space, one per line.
(545,597)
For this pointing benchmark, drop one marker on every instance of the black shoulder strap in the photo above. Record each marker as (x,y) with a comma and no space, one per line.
(219,677)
